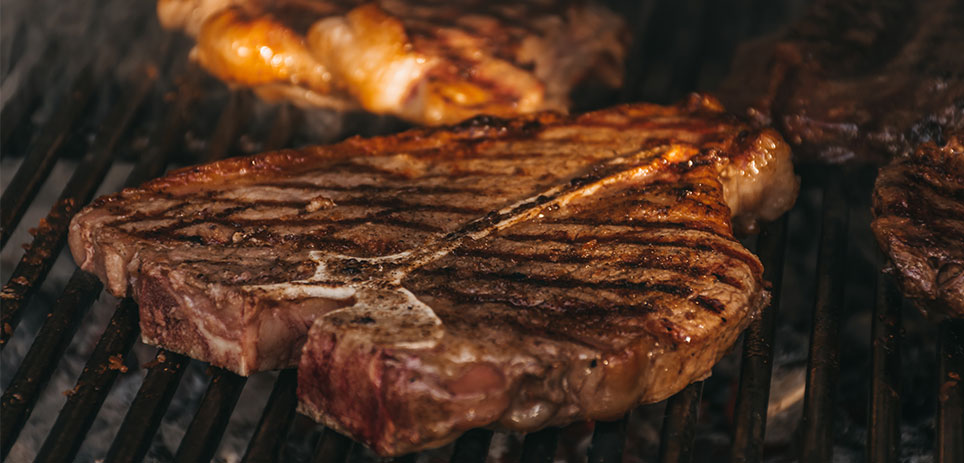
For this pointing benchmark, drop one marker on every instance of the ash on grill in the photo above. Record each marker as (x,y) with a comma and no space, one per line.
(99,89)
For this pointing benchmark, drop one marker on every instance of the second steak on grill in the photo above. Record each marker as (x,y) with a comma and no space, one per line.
(857,81)
(428,62)
(919,223)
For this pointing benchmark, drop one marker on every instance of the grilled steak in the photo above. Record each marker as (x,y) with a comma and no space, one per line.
(428,62)
(522,272)
(919,222)
(857,80)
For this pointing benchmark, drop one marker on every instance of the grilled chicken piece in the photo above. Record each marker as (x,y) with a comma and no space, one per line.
(424,61)
(857,81)
(517,273)
(919,222)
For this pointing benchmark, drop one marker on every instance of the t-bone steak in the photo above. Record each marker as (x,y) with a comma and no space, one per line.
(516,273)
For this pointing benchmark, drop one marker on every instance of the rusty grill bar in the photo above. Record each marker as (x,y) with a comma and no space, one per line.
(279,423)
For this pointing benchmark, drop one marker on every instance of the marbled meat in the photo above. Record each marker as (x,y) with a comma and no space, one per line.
(518,273)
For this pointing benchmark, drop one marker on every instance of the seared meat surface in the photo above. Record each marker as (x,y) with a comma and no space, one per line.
(430,62)
(857,80)
(919,222)
(517,273)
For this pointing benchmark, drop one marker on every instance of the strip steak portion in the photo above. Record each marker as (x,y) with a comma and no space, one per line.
(519,273)
(919,223)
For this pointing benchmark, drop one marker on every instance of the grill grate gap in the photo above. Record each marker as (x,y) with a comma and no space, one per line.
(148,408)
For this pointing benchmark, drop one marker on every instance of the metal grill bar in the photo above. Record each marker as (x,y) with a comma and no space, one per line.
(38,163)
(168,136)
(84,401)
(692,32)
(757,364)
(472,447)
(268,439)
(883,439)
(540,446)
(679,425)
(204,433)
(146,411)
(642,14)
(52,234)
(950,392)
(232,120)
(332,448)
(824,360)
(283,128)
(39,363)
(608,440)
(652,50)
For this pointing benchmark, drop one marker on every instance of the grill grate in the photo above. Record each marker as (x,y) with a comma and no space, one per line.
(824,360)
(885,386)
(150,104)
(950,393)
(755,372)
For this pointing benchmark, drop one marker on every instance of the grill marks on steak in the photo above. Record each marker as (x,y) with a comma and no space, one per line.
(520,272)
(857,81)
(919,222)
(601,277)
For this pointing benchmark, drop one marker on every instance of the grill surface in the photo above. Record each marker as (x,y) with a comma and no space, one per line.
(169,113)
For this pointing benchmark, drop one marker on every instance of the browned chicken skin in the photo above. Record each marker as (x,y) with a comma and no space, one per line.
(426,62)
